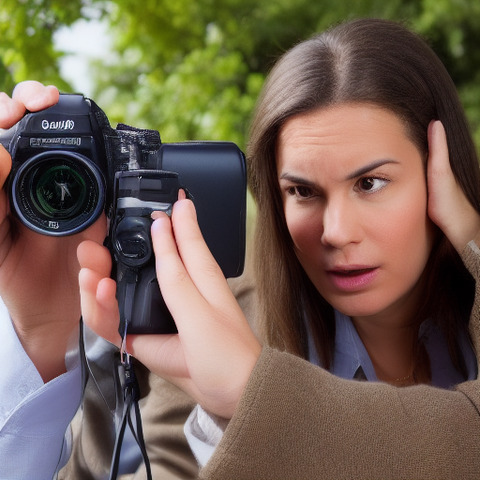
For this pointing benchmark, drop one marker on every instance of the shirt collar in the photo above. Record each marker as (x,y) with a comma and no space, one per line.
(351,359)
(350,353)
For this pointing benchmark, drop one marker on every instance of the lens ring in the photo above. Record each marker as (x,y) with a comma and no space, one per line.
(58,193)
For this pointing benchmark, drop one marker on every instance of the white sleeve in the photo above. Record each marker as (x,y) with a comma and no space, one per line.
(204,432)
(34,416)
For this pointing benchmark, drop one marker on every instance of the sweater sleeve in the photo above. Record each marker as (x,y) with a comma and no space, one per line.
(296,420)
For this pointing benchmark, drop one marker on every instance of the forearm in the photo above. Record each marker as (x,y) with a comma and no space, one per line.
(296,420)
(294,417)
(34,416)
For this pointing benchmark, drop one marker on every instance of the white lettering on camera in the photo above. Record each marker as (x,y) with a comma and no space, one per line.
(59,125)
(53,225)
(55,141)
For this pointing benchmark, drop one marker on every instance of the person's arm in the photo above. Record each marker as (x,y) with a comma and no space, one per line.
(296,420)
(34,416)
(38,273)
(39,287)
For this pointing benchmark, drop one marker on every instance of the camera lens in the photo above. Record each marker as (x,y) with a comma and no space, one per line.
(58,193)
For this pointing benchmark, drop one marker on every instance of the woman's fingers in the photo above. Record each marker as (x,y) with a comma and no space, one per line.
(99,306)
(97,291)
(163,354)
(219,347)
(196,259)
(181,295)
(448,206)
(215,350)
(439,175)
(92,255)
(100,312)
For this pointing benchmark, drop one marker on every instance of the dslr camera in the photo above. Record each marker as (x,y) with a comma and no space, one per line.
(70,165)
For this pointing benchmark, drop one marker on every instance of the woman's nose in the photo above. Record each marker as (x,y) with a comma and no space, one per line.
(341,225)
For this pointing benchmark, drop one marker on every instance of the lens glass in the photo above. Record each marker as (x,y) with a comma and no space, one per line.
(60,191)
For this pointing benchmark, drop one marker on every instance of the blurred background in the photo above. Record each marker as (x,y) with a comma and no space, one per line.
(193,69)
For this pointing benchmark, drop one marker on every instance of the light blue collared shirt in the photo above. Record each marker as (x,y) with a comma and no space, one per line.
(350,354)
(34,416)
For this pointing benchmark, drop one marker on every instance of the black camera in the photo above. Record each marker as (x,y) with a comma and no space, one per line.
(69,165)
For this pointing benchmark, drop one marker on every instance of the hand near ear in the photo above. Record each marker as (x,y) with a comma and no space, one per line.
(215,350)
(448,206)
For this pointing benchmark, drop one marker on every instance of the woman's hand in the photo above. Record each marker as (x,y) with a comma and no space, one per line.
(448,206)
(38,273)
(215,350)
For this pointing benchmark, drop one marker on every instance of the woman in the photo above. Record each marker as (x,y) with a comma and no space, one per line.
(344,67)
(362,221)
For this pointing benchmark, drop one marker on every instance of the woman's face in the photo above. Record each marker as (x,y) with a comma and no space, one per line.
(355,201)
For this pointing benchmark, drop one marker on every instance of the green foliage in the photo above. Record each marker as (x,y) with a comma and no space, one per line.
(453,29)
(193,69)
(26,33)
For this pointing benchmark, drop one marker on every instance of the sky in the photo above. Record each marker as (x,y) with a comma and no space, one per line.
(83,41)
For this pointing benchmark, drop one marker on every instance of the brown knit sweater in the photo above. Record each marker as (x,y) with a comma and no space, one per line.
(296,421)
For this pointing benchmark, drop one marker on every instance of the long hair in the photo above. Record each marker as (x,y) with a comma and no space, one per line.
(363,61)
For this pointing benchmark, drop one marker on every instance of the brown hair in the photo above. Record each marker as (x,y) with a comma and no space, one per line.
(369,61)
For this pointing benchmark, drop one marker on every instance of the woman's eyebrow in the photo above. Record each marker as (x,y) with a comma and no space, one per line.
(297,180)
(369,167)
(357,173)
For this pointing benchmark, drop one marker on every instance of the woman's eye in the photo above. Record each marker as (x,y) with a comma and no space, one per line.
(371,184)
(300,191)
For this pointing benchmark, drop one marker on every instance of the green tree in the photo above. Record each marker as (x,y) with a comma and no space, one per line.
(452,27)
(194,69)
(26,46)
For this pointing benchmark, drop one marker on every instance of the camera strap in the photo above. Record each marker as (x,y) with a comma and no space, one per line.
(130,415)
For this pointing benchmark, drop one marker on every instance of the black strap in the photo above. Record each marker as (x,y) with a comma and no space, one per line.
(131,416)
(127,387)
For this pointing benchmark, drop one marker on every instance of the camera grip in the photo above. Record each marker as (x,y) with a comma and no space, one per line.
(138,194)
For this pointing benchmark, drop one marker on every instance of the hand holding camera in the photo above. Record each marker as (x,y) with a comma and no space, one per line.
(215,350)
(38,273)
(57,207)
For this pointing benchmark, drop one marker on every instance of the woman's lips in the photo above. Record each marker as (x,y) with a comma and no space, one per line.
(351,279)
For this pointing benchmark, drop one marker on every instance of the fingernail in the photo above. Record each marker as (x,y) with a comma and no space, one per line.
(158,214)
(181,194)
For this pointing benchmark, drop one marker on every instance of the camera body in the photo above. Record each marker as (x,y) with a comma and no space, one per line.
(57,183)
(69,165)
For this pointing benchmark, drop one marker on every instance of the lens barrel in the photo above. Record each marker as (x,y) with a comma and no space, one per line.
(58,193)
